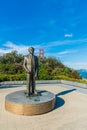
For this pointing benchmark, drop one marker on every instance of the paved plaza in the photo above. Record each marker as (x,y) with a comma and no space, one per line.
(70,112)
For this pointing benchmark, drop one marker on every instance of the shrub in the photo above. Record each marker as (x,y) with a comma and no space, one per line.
(12,77)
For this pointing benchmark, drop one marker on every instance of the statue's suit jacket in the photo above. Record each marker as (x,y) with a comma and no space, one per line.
(28,64)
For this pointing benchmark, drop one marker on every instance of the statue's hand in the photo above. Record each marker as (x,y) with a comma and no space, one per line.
(27,71)
(36,75)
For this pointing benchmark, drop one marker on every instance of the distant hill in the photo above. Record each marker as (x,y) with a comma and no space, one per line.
(83,73)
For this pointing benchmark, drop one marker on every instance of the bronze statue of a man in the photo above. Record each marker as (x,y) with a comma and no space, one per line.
(31,67)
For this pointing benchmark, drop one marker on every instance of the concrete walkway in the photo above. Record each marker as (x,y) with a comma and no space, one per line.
(70,112)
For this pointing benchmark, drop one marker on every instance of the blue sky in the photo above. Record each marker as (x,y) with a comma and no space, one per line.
(57,26)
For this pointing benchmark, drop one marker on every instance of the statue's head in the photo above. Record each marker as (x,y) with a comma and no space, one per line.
(31,50)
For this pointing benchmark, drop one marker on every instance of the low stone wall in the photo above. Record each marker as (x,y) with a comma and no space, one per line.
(48,81)
(72,83)
(13,83)
(24,82)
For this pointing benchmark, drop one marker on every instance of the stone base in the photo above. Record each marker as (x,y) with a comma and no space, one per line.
(18,103)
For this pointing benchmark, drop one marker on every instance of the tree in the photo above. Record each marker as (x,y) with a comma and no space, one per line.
(76,75)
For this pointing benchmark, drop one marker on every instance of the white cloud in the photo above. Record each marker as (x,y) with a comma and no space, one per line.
(59,54)
(63,52)
(10,44)
(76,65)
(11,47)
(68,35)
(64,42)
(22,49)
(67,52)
(3,51)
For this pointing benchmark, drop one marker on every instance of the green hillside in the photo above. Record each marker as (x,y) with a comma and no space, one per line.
(11,68)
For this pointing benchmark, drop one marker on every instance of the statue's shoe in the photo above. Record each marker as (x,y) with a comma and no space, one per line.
(26,94)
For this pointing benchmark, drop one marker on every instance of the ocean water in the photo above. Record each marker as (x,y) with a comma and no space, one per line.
(83,74)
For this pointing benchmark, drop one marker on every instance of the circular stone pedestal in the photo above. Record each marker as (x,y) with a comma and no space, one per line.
(18,103)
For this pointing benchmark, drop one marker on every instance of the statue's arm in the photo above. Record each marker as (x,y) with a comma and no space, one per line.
(37,67)
(24,64)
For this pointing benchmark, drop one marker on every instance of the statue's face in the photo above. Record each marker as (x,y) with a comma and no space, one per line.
(31,50)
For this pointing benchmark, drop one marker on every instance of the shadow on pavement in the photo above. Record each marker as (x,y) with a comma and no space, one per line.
(65,92)
(59,101)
